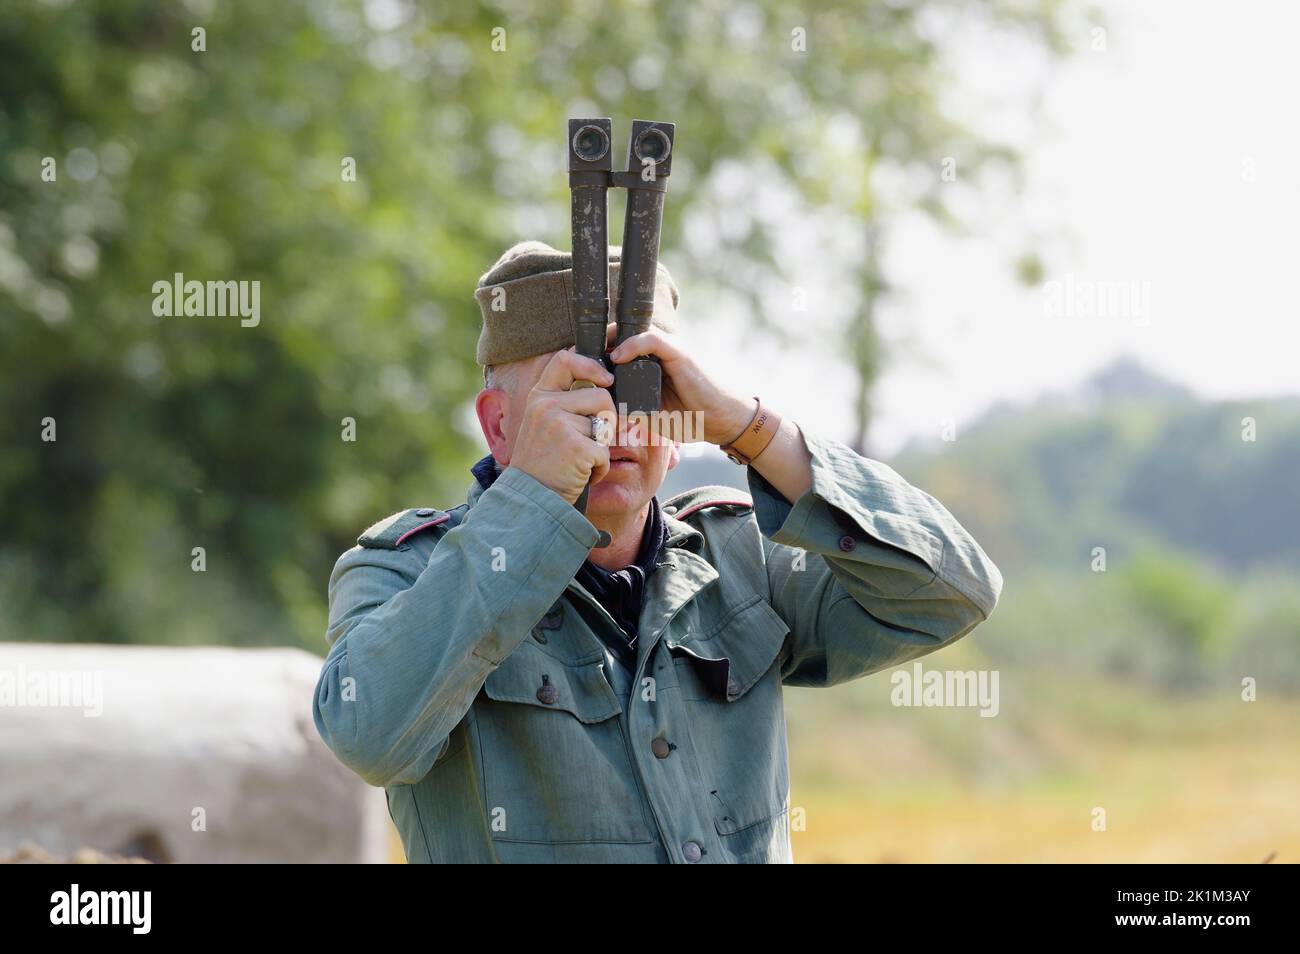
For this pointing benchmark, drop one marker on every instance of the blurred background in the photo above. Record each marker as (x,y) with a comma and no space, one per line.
(1036,255)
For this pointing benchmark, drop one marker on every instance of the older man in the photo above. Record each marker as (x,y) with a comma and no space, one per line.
(525,697)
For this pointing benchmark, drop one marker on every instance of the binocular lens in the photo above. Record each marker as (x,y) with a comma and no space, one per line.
(590,143)
(653,145)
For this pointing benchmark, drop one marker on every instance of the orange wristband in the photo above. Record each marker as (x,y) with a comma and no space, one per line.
(753,440)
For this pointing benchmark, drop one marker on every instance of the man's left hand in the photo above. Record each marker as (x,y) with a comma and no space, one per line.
(687,389)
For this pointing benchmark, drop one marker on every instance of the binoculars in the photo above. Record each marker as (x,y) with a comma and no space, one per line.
(638,384)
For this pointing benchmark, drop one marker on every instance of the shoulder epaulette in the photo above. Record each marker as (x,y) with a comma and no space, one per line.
(395,530)
(684,504)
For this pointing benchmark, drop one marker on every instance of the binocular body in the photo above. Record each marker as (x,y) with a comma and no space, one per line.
(638,384)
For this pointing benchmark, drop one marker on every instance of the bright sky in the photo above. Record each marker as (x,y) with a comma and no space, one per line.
(1169,163)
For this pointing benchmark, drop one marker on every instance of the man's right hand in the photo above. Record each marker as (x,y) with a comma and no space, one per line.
(554,444)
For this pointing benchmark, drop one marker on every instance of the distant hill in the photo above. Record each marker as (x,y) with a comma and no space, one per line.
(1125,461)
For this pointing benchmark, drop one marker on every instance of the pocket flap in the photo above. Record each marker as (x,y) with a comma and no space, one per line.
(533,678)
(739,652)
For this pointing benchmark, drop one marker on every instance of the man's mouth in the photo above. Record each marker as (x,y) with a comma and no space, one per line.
(620,458)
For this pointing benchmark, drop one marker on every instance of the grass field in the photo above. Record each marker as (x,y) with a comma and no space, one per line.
(1208,778)
(1205,779)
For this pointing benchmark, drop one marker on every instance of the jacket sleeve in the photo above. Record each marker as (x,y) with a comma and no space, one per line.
(866,570)
(416,633)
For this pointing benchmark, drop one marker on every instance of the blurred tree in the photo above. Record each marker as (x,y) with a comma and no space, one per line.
(1145,465)
(227,159)
(1188,600)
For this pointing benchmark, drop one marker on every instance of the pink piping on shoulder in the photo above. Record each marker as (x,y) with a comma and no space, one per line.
(424,526)
(710,503)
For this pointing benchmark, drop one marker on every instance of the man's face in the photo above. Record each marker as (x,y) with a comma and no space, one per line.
(637,466)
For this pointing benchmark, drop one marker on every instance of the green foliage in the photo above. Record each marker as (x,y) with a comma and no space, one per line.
(1162,624)
(1188,604)
(225,164)
(1142,539)
(1045,485)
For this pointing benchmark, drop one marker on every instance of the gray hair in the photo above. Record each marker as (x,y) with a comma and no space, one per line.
(503,376)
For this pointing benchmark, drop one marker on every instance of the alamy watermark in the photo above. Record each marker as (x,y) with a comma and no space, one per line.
(947,688)
(1089,298)
(129,908)
(194,299)
(626,428)
(53,689)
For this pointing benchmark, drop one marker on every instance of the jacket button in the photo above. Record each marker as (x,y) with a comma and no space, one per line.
(548,693)
(425,513)
(540,636)
(660,748)
(692,852)
(733,686)
(847,543)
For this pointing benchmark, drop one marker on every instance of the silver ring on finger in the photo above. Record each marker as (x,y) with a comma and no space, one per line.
(599,429)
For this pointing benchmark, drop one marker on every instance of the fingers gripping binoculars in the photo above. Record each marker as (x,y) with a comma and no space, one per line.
(638,384)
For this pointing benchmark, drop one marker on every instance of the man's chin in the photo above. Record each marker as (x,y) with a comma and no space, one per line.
(610,502)
(617,494)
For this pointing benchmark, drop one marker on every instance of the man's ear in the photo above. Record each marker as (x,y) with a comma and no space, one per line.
(674,454)
(490,406)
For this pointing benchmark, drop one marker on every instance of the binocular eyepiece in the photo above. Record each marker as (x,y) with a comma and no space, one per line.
(590,143)
(651,142)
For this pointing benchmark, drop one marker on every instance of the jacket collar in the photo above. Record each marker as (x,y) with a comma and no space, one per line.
(475,491)
(682,574)
(682,534)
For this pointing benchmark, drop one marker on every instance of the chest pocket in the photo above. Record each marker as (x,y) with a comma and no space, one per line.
(731,685)
(555,764)
(725,662)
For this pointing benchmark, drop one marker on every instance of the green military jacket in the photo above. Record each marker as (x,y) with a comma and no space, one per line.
(465,676)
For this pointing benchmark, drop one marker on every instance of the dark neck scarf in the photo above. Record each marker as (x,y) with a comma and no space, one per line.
(620,592)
